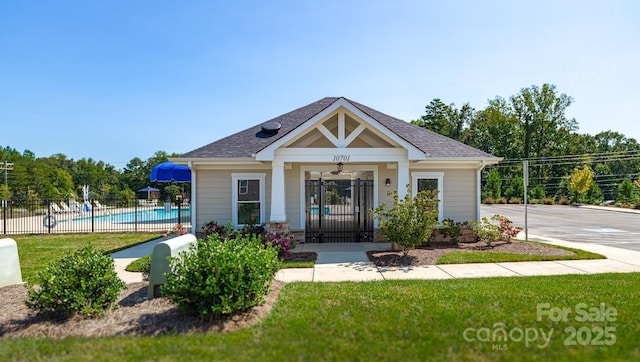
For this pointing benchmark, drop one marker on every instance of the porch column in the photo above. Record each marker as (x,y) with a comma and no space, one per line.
(403,178)
(278,204)
(194,197)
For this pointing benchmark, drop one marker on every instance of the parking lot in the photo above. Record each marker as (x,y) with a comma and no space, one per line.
(579,224)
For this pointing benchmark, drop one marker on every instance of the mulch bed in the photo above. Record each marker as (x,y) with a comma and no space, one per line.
(430,255)
(301,256)
(135,316)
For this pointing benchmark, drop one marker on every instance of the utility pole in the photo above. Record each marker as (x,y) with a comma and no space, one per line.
(8,166)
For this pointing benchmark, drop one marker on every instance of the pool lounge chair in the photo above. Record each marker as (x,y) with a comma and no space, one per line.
(54,208)
(65,207)
(99,206)
(75,206)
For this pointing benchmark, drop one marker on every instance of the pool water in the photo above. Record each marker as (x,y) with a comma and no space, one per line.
(157,214)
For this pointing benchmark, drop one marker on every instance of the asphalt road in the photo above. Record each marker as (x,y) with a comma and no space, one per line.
(579,224)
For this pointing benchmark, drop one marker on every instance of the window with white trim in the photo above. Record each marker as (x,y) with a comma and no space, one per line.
(248,199)
(421,181)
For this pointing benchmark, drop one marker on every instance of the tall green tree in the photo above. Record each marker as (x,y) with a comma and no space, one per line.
(446,119)
(541,112)
(496,130)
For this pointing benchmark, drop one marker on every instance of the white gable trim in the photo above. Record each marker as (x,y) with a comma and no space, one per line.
(268,153)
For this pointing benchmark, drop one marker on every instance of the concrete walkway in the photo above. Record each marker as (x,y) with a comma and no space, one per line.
(124,257)
(348,262)
(352,264)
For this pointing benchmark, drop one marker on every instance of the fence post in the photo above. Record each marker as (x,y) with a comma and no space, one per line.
(92,218)
(179,206)
(135,215)
(49,216)
(4,216)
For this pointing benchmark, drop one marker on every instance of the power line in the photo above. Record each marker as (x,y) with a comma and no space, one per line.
(606,156)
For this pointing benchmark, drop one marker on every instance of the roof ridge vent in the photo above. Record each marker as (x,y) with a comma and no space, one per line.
(271,127)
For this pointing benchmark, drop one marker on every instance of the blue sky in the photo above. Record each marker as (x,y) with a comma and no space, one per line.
(114,80)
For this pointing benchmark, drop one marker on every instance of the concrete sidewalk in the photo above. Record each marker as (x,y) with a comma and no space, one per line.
(348,262)
(124,257)
(352,264)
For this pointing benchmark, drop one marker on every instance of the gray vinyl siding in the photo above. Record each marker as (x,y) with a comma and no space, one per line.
(215,189)
(460,194)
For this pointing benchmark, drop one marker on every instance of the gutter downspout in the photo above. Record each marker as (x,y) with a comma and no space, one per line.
(478,189)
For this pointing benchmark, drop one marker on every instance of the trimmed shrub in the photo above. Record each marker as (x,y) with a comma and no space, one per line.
(515,200)
(83,282)
(486,231)
(215,278)
(452,229)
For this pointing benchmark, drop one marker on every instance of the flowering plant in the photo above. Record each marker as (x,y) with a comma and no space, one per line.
(507,230)
(212,227)
(177,230)
(279,239)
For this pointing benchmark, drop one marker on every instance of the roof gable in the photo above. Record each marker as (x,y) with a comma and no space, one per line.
(301,127)
(339,136)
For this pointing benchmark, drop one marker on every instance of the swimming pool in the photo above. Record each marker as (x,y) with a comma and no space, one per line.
(140,216)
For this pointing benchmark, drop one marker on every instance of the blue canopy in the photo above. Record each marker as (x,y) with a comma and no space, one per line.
(170,172)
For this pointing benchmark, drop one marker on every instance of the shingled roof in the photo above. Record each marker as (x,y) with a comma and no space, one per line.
(252,140)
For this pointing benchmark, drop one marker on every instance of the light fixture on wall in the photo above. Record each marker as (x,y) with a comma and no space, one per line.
(340,165)
(387,182)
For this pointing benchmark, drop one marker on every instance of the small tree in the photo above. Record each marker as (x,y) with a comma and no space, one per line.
(411,220)
(493,186)
(581,181)
(5,192)
(516,187)
(594,195)
(626,192)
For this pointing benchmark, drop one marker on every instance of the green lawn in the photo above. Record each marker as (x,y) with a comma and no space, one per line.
(462,257)
(419,320)
(36,251)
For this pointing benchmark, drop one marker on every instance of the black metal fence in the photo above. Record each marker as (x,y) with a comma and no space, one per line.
(338,211)
(43,216)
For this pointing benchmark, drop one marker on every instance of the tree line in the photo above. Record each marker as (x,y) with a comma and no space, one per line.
(532,125)
(59,177)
